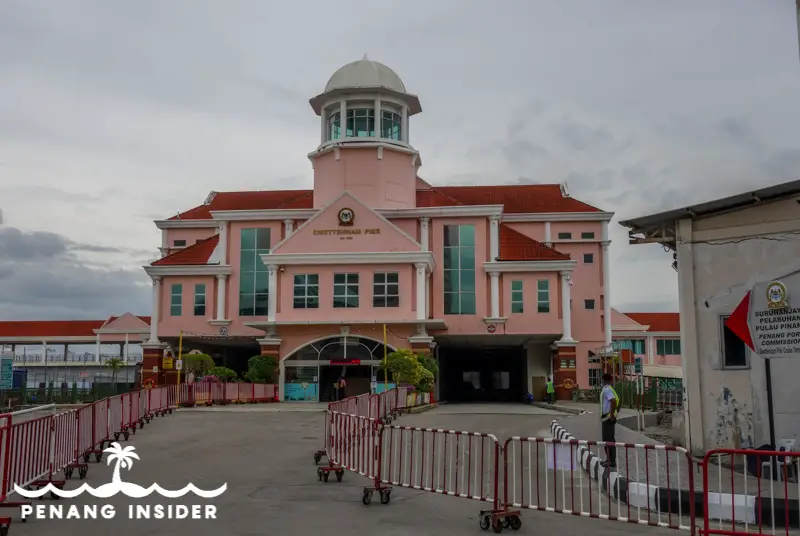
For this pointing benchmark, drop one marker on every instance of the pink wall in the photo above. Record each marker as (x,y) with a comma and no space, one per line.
(190,235)
(171,325)
(388,182)
(376,234)
(530,321)
(365,310)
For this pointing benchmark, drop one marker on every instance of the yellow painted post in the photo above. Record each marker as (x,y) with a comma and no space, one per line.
(385,361)
(180,354)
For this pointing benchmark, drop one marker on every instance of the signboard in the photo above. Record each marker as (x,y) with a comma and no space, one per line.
(296,392)
(491,328)
(349,362)
(179,364)
(637,365)
(6,372)
(561,456)
(166,362)
(84,374)
(155,369)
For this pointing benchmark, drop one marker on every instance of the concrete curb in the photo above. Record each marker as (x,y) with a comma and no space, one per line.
(751,508)
(420,409)
(558,407)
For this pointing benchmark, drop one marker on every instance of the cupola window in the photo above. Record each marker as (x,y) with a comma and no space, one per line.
(361,123)
(390,125)
(334,131)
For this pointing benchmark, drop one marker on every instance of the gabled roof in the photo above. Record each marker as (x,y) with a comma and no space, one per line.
(515,246)
(195,254)
(516,199)
(145,319)
(664,322)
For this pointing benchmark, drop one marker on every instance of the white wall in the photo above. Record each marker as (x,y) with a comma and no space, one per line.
(727,262)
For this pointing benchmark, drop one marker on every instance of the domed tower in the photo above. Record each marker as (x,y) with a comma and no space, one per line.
(364,145)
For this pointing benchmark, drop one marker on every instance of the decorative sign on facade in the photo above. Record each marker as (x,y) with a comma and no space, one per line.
(491,328)
(223,331)
(772,327)
(155,369)
(345,232)
(350,362)
(346,217)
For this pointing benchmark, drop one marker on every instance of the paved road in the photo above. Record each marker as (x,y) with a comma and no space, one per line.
(265,459)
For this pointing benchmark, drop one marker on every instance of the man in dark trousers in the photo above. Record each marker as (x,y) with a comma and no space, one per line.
(551,390)
(609,409)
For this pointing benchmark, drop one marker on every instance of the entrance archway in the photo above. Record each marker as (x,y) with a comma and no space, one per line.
(311,372)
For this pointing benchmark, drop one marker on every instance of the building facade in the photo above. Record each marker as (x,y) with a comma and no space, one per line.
(653,337)
(721,249)
(505,285)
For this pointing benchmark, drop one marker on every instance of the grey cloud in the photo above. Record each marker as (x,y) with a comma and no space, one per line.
(783,164)
(41,278)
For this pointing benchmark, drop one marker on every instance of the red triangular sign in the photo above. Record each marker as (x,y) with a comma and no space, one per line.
(737,322)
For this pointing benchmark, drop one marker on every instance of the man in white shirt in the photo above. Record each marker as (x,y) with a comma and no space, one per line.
(608,417)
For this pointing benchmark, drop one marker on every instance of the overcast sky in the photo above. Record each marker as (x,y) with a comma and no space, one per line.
(113,114)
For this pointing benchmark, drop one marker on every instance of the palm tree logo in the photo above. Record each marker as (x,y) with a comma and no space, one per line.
(124,458)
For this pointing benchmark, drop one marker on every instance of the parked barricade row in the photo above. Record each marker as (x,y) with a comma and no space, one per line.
(750,491)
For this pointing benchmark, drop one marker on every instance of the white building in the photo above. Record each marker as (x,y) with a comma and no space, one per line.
(720,250)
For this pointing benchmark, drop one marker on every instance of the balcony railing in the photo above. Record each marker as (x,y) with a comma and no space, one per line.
(88,358)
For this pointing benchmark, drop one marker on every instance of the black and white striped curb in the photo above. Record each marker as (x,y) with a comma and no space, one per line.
(745,508)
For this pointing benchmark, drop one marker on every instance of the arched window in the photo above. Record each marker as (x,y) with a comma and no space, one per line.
(334,122)
(390,125)
(361,123)
(341,349)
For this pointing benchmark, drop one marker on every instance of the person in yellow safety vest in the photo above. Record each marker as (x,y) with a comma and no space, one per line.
(551,390)
(608,415)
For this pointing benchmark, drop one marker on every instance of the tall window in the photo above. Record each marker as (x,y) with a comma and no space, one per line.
(306,291)
(361,123)
(734,351)
(345,290)
(199,299)
(390,125)
(253,275)
(176,300)
(516,297)
(333,126)
(543,296)
(594,377)
(459,269)
(386,290)
(668,347)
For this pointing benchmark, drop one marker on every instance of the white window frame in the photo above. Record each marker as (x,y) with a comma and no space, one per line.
(539,292)
(518,297)
(172,296)
(384,295)
(204,305)
(309,302)
(341,290)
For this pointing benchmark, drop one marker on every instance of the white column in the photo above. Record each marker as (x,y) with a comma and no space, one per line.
(606,285)
(377,118)
(404,124)
(566,313)
(548,239)
(650,349)
(164,241)
(221,279)
(282,379)
(495,289)
(125,352)
(288,228)
(494,239)
(272,304)
(97,348)
(154,313)
(324,126)
(343,119)
(424,233)
(421,284)
(428,296)
(222,230)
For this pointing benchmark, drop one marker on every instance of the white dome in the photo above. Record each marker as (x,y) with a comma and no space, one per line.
(365,73)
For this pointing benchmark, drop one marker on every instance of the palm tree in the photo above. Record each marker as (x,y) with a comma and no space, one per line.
(124,458)
(115,364)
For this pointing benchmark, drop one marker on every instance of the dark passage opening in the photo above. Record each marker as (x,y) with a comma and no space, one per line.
(482,374)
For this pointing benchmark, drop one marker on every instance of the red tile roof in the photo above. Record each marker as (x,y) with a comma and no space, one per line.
(145,319)
(517,199)
(657,321)
(195,254)
(50,328)
(515,246)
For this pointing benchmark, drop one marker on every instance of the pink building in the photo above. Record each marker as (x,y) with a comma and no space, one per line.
(654,337)
(505,285)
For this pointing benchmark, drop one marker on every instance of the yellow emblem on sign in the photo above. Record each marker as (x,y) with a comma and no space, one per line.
(777,295)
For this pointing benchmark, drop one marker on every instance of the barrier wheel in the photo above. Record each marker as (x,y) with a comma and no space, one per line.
(319,474)
(386,496)
(127,435)
(68,472)
(325,476)
(497,525)
(86,457)
(82,472)
(317,458)
(506,522)
(485,522)
(515,523)
(339,476)
(367,497)
(116,436)
(98,456)
(54,496)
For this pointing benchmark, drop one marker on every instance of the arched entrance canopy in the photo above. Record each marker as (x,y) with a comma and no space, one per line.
(340,349)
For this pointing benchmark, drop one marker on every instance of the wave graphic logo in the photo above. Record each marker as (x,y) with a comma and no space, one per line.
(124,460)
